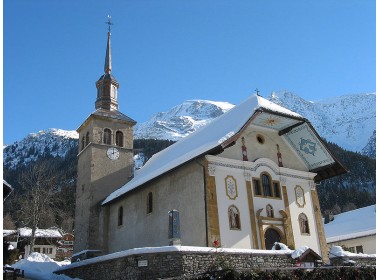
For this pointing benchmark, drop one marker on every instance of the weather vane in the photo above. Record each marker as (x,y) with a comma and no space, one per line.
(109,23)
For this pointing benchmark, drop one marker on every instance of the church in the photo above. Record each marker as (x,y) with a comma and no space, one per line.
(245,180)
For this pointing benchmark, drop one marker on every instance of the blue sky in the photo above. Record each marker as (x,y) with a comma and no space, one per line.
(167,51)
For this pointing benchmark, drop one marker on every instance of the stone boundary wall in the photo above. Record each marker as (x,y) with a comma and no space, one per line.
(359,261)
(175,263)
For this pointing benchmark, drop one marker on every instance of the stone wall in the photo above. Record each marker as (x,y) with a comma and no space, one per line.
(353,260)
(173,263)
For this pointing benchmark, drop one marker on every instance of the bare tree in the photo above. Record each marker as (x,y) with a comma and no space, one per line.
(8,222)
(38,182)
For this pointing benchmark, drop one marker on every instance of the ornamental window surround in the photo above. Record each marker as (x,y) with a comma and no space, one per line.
(266,187)
(270,212)
(234,218)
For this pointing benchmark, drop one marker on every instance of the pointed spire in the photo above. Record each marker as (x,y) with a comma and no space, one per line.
(108,60)
(107,85)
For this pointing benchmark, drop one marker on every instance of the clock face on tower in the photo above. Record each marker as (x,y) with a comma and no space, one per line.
(113,153)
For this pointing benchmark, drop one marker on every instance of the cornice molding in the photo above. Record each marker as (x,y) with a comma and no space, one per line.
(253,167)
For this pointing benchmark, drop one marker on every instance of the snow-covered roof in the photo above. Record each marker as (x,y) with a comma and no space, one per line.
(219,133)
(44,233)
(8,232)
(337,251)
(352,224)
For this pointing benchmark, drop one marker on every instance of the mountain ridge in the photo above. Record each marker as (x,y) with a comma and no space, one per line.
(351,125)
(347,120)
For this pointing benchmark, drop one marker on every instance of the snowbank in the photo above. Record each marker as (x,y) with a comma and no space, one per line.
(280,246)
(41,267)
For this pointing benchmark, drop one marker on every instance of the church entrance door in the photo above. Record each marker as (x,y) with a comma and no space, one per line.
(271,236)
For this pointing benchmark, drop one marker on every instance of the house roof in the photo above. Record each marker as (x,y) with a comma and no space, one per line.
(352,224)
(7,189)
(40,233)
(224,130)
(8,232)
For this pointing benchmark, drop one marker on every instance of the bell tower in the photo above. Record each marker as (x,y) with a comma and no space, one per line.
(105,159)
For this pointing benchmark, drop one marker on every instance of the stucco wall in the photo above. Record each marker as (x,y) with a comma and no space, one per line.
(182,189)
(310,240)
(244,173)
(265,149)
(98,176)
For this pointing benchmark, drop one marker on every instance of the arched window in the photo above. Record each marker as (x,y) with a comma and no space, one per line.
(149,203)
(234,217)
(83,145)
(107,136)
(120,216)
(270,212)
(304,224)
(119,138)
(87,138)
(267,188)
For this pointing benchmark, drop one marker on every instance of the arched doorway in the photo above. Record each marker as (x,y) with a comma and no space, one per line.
(271,236)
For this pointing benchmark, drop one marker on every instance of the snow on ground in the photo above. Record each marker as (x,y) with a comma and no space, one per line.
(40,267)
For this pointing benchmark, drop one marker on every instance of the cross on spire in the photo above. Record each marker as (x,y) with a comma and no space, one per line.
(257,92)
(109,23)
(108,61)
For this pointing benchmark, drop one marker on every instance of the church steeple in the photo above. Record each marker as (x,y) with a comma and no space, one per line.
(107,85)
(108,60)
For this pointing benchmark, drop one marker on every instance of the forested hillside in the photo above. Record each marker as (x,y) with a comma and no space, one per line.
(353,190)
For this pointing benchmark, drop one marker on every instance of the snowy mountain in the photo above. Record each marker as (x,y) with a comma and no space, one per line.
(348,120)
(52,142)
(370,149)
(181,120)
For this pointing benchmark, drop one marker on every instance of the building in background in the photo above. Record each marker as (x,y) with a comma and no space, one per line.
(46,240)
(355,230)
(65,247)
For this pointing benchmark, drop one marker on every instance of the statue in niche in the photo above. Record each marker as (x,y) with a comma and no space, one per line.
(234,217)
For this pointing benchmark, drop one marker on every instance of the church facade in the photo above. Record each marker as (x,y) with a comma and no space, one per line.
(246,180)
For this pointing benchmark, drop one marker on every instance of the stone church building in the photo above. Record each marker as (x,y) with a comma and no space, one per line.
(246,180)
